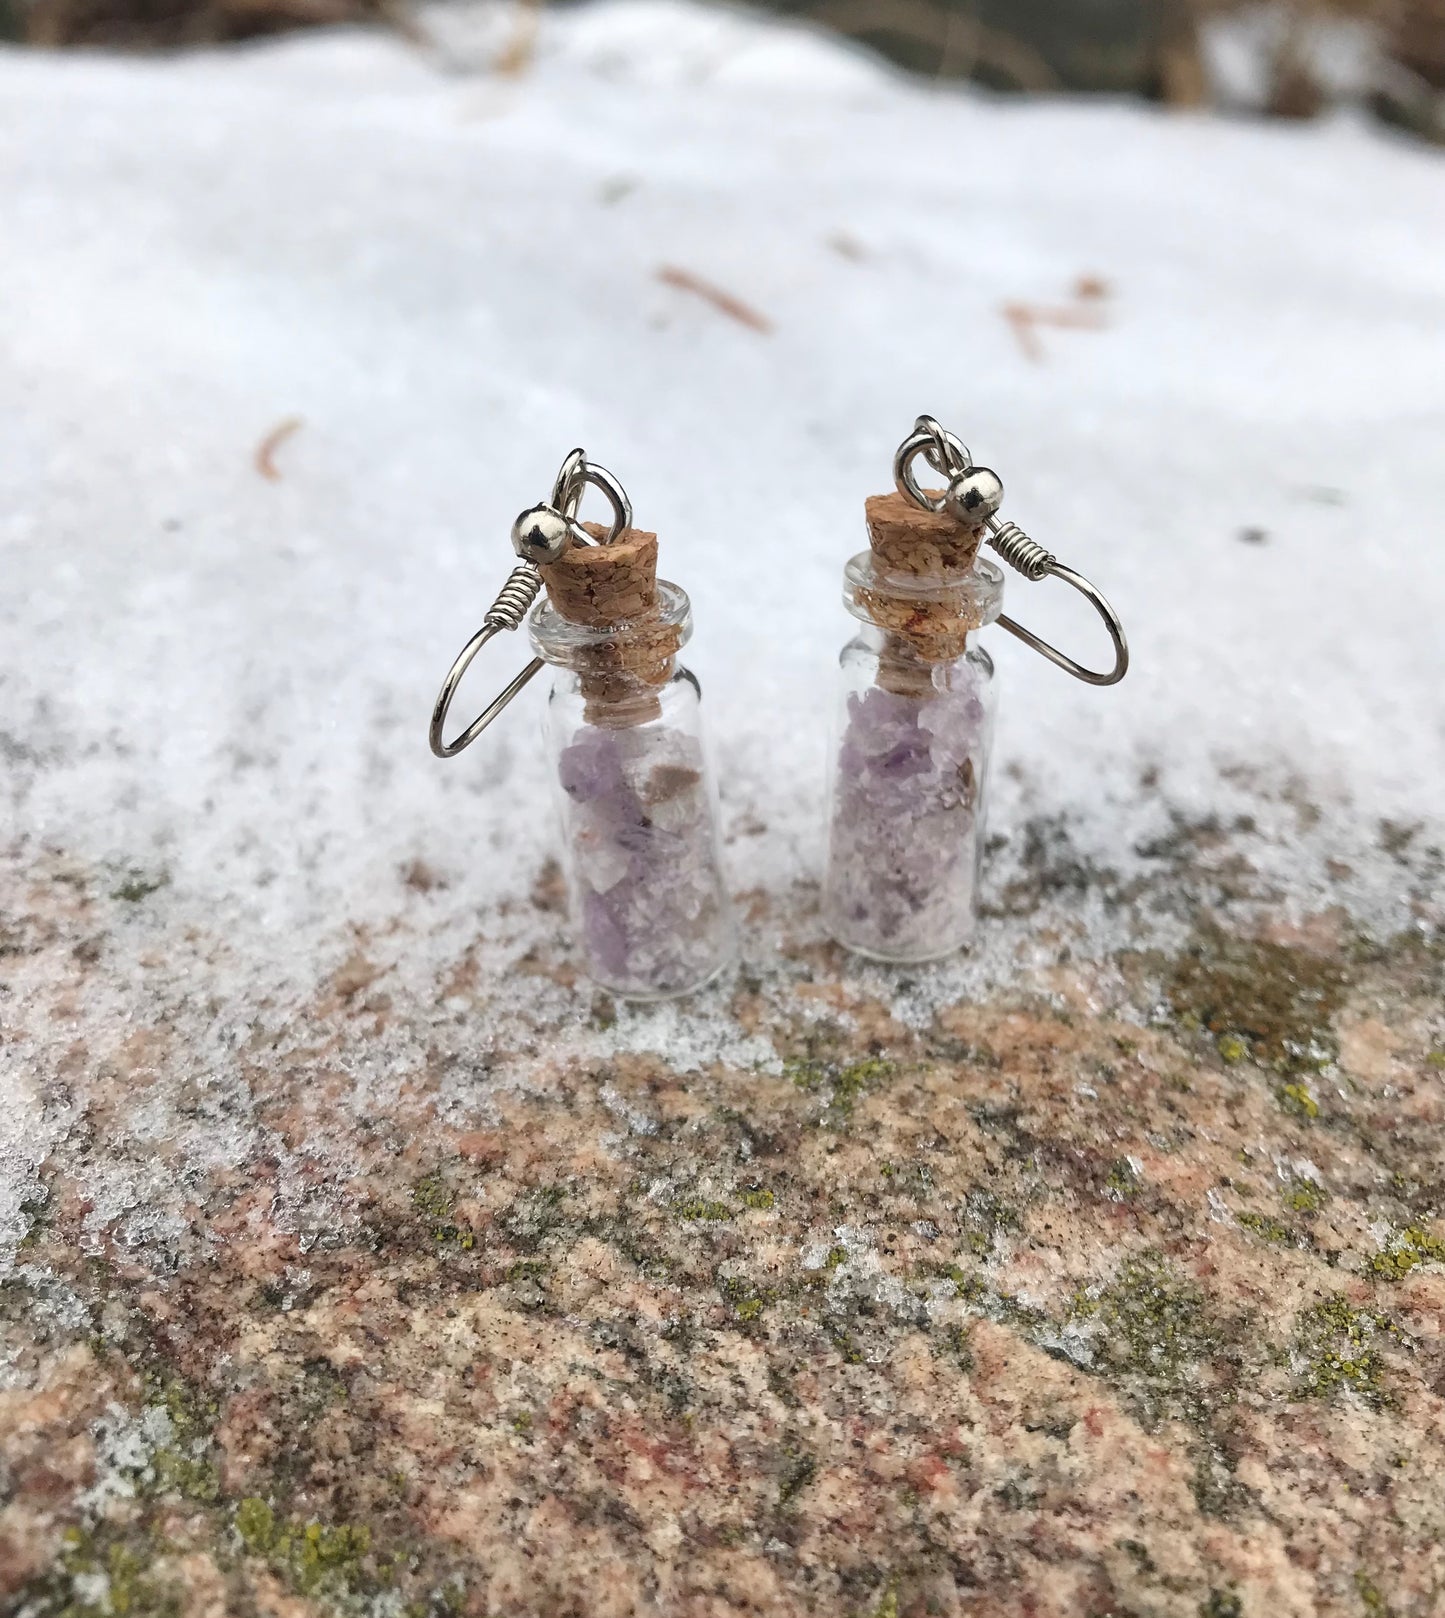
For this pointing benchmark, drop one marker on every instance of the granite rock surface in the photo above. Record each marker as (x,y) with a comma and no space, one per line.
(1118,1290)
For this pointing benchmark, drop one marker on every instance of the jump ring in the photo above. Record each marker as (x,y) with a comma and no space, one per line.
(944,452)
(572,479)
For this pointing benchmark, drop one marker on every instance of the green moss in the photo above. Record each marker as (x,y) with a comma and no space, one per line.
(959,1350)
(842,1339)
(528,1269)
(1371,1599)
(762,1199)
(192,1477)
(1296,1098)
(844,1083)
(836,1256)
(1272,1002)
(1436,1058)
(1336,1343)
(435,1201)
(695,1208)
(185,1465)
(449,1601)
(1156,1329)
(102,1573)
(1122,1182)
(310,1555)
(969,1287)
(131,1590)
(1007,1307)
(799,1470)
(1156,1321)
(1304,1196)
(136,885)
(984,1216)
(432,1197)
(888,1606)
(256,1524)
(1409,1248)
(1221,1604)
(191,1415)
(857,1078)
(320,1551)
(746,1301)
(1270,1230)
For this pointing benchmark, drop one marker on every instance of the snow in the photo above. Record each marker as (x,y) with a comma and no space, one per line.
(451,277)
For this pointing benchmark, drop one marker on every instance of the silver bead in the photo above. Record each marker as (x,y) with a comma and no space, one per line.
(974,496)
(541,535)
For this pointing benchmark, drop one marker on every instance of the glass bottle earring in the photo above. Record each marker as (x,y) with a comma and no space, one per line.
(624,732)
(914,729)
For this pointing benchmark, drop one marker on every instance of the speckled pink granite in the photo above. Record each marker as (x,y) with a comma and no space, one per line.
(1119,1294)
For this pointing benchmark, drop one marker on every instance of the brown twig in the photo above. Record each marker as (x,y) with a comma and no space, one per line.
(265,461)
(734,308)
(1024,318)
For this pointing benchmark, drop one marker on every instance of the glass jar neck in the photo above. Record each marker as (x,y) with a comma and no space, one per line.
(651,637)
(926,622)
(904,670)
(618,669)
(878,595)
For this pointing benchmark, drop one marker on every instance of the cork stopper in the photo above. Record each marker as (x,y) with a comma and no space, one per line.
(614,587)
(907,539)
(928,624)
(605,584)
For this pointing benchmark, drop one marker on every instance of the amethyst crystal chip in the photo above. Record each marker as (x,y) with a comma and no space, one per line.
(642,850)
(907,819)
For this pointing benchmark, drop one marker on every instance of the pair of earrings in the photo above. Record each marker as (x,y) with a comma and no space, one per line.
(911,740)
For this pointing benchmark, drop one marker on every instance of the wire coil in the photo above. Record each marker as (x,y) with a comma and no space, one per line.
(1023,554)
(515,598)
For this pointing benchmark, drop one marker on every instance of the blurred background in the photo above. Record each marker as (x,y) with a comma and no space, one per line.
(1290,59)
(306,297)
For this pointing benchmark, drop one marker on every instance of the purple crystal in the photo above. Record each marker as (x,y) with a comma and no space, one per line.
(591,767)
(904,839)
(602,934)
(645,878)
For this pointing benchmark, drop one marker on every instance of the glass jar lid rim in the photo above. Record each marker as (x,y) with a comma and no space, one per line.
(980,589)
(554,636)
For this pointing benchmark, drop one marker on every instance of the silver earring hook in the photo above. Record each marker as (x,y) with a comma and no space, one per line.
(540,535)
(975,491)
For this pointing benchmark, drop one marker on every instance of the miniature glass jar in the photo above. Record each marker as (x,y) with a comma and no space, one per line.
(910,751)
(636,799)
